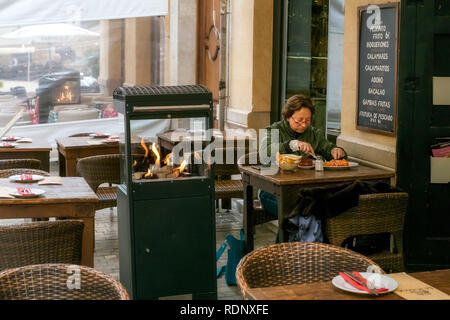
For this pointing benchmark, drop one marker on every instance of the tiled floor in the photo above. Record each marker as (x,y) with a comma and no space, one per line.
(106,255)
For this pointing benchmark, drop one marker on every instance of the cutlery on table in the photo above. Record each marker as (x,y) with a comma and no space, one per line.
(359,284)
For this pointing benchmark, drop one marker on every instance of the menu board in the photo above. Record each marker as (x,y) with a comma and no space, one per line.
(377,68)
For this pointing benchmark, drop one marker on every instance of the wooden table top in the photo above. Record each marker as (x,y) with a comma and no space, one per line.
(439,279)
(36,145)
(83,143)
(72,189)
(310,176)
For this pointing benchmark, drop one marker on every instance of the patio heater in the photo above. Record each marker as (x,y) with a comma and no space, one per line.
(165,203)
(57,88)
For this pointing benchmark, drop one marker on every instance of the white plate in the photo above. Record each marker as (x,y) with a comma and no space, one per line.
(11,138)
(378,280)
(99,135)
(350,165)
(7,145)
(35,177)
(36,193)
(306,167)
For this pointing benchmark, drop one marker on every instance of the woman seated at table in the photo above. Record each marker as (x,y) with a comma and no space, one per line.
(296,136)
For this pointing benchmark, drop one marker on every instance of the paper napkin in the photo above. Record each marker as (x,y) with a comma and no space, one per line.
(50,180)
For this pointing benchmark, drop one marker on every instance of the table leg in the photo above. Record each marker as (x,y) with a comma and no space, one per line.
(71,167)
(62,164)
(87,253)
(248,217)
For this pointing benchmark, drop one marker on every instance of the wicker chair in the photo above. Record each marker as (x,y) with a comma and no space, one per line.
(10,172)
(41,242)
(59,282)
(20,163)
(97,170)
(225,187)
(296,263)
(375,213)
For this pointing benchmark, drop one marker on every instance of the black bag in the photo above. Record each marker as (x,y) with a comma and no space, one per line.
(369,243)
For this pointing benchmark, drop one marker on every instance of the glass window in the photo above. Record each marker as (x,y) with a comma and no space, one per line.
(312,53)
(66,72)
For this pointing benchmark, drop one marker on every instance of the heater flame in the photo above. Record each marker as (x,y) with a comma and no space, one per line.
(145,147)
(134,163)
(149,173)
(158,157)
(65,96)
(167,159)
(182,166)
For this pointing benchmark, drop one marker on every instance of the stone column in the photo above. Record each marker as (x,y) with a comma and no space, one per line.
(110,60)
(137,52)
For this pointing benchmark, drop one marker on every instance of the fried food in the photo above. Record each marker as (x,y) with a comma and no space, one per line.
(336,163)
(306,162)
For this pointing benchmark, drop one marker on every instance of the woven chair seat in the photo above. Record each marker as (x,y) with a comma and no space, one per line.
(20,163)
(41,242)
(228,189)
(59,282)
(107,197)
(290,263)
(10,172)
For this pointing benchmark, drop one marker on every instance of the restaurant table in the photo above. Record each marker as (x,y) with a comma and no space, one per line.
(38,149)
(438,279)
(286,185)
(72,148)
(72,199)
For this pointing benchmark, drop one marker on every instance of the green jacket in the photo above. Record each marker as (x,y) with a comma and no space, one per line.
(313,136)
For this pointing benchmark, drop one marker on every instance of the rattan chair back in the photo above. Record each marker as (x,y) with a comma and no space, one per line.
(20,163)
(100,169)
(57,241)
(296,263)
(59,282)
(375,213)
(10,172)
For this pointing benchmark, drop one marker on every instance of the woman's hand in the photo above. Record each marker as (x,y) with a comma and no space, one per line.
(305,147)
(337,153)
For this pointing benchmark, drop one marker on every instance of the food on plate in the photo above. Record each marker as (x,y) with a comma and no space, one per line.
(288,161)
(336,163)
(305,162)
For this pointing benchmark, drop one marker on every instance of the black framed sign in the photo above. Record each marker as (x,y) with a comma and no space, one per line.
(377,68)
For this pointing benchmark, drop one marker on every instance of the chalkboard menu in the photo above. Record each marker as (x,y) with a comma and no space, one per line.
(377,68)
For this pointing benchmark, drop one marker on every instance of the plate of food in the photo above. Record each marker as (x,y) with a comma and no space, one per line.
(380,283)
(306,163)
(26,192)
(11,138)
(7,145)
(99,135)
(288,162)
(26,178)
(339,164)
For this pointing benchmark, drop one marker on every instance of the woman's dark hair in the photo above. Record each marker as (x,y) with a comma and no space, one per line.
(295,103)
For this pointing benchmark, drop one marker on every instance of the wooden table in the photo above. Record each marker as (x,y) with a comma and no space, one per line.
(439,279)
(73,199)
(286,185)
(38,149)
(72,148)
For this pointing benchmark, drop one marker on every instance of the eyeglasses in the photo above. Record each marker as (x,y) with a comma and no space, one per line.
(298,121)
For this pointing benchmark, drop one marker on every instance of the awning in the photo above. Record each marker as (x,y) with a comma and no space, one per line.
(26,12)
